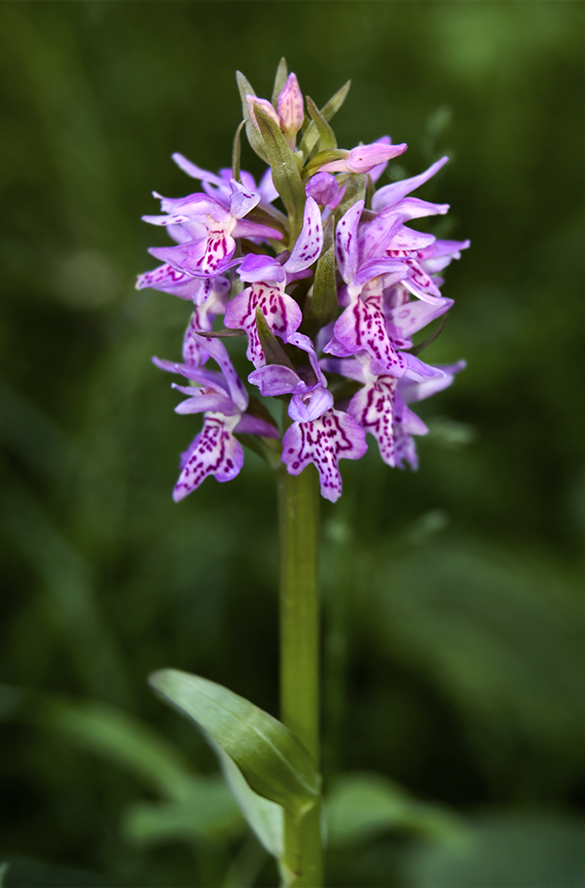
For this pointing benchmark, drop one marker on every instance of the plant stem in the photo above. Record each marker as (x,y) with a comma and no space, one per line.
(298,511)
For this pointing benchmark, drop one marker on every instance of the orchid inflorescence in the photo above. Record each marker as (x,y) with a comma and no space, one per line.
(329,294)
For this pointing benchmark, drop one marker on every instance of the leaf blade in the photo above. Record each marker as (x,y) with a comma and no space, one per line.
(272,760)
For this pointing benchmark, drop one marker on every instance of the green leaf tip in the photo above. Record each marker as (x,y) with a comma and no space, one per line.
(279,80)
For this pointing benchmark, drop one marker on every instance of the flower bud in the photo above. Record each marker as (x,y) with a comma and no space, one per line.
(266,107)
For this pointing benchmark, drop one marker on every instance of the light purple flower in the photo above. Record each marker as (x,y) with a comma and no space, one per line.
(206,230)
(323,441)
(223,400)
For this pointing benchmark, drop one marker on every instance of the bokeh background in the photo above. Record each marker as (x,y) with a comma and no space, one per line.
(454,603)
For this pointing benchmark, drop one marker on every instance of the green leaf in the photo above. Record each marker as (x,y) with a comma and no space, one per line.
(237,152)
(3,871)
(273,350)
(264,817)
(254,137)
(285,172)
(324,304)
(327,138)
(210,812)
(311,137)
(272,760)
(279,80)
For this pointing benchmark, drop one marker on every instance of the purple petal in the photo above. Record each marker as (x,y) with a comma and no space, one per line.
(206,257)
(242,200)
(282,314)
(214,451)
(323,441)
(363,326)
(346,241)
(414,208)
(220,355)
(309,242)
(391,194)
(274,380)
(266,187)
(309,405)
(170,280)
(252,425)
(201,375)
(304,342)
(412,391)
(373,408)
(375,267)
(247,228)
(194,171)
(201,403)
(421,285)
(261,268)
(413,316)
(349,367)
(323,188)
(364,157)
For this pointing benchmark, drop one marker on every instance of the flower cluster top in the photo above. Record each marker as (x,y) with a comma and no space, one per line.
(329,294)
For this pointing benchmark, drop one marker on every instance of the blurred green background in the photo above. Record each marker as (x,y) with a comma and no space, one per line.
(454,655)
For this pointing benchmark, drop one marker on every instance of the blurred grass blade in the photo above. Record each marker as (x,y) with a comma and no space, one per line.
(117,737)
(363,806)
(209,813)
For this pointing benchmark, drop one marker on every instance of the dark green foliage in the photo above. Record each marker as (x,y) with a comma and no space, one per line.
(454,604)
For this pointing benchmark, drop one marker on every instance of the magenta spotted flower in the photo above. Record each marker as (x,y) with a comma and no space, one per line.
(330,285)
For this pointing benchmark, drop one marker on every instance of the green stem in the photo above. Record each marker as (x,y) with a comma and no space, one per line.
(298,510)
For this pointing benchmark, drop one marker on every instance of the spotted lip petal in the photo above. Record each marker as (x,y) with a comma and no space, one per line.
(363,326)
(215,451)
(282,314)
(323,441)
(373,408)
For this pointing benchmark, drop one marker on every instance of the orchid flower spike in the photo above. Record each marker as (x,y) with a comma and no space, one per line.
(331,291)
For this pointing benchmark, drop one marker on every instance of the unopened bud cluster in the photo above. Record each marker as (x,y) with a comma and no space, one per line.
(329,294)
